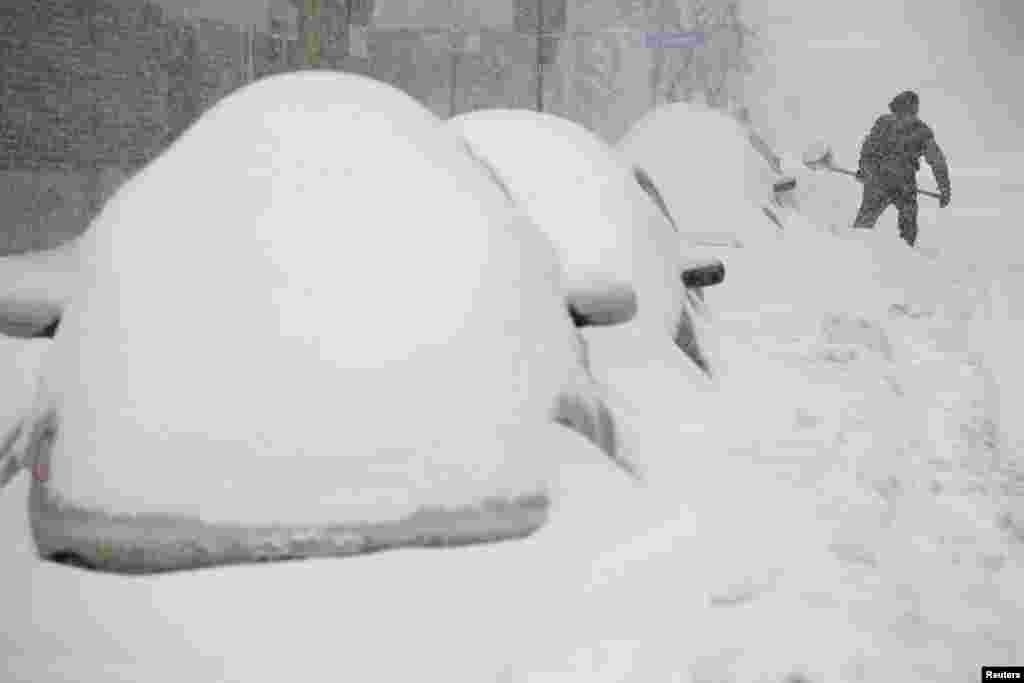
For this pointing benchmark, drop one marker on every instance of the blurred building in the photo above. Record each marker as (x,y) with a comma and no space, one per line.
(91,85)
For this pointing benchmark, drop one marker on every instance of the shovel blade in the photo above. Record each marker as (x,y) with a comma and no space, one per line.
(818,155)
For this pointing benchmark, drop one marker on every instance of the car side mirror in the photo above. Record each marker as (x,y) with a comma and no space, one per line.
(704,274)
(600,307)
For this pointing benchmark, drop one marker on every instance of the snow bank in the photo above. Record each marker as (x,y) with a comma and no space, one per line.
(611,553)
(384,365)
(997,333)
(62,624)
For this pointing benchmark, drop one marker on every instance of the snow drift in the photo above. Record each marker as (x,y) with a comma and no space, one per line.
(997,334)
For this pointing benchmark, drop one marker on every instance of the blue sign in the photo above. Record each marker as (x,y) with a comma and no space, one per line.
(679,39)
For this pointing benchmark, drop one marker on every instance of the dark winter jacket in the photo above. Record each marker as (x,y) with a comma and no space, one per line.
(892,151)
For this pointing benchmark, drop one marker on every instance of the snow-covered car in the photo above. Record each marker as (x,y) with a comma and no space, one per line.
(718,188)
(311,327)
(603,216)
(714,182)
(609,223)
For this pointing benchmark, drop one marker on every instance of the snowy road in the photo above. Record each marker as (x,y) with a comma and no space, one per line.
(853,519)
(843,502)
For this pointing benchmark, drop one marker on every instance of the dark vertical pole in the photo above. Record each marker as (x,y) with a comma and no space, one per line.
(193,77)
(540,55)
(452,77)
(311,30)
(658,57)
(348,27)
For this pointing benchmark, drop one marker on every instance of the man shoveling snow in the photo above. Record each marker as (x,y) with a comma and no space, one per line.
(889,161)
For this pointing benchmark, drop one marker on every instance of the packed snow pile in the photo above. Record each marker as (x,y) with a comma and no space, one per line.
(997,334)
(891,419)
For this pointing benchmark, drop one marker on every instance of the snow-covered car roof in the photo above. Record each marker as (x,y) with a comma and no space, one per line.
(602,214)
(712,178)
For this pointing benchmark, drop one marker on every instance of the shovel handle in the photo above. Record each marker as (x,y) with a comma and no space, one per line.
(848,172)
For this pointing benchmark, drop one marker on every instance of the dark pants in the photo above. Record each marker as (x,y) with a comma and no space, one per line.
(878,197)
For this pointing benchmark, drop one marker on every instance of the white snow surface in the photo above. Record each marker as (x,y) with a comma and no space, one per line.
(997,333)
(839,507)
(419,324)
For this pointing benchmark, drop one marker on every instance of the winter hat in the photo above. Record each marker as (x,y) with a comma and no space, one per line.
(906,102)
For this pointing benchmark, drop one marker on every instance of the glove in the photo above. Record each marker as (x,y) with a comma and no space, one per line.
(944,199)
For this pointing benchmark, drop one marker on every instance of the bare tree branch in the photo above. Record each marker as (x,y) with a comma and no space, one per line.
(710,68)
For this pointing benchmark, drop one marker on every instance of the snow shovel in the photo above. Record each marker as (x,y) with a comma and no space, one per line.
(820,157)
